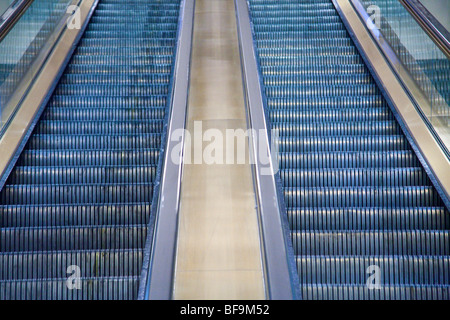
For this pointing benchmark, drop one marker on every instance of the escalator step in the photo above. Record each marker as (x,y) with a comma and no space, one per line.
(44,215)
(338,197)
(386,242)
(385,292)
(403,269)
(85,175)
(72,238)
(53,265)
(80,158)
(76,193)
(96,288)
(375,218)
(355,159)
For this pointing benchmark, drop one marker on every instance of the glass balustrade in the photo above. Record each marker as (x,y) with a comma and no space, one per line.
(420,56)
(20,47)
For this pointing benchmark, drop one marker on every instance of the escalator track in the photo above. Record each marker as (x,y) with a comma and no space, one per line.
(81,192)
(357,198)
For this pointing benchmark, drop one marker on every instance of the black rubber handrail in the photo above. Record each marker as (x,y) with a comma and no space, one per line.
(437,32)
(12,15)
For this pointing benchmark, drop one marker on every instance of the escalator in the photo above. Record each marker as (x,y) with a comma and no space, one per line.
(78,202)
(96,207)
(358,201)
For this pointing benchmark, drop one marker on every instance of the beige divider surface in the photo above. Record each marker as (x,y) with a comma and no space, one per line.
(219,254)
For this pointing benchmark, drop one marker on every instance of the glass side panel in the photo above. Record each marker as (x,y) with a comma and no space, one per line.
(4,5)
(440,9)
(22,44)
(420,56)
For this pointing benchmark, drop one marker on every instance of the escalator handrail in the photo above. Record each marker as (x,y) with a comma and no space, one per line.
(12,15)
(158,269)
(435,30)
